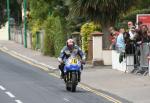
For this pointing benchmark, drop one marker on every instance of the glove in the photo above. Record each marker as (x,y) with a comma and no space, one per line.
(82,61)
(60,60)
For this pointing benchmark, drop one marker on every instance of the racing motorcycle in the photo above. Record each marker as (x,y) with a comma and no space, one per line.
(72,73)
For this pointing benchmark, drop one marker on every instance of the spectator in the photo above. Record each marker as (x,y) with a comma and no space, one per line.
(130,24)
(120,44)
(139,34)
(132,33)
(144,30)
(128,43)
(130,37)
(137,42)
(146,36)
(131,30)
(112,37)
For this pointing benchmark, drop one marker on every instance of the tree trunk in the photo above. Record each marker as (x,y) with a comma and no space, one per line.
(106,42)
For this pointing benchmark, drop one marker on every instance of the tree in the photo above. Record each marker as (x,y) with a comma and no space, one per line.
(143,4)
(105,12)
(41,9)
(15,11)
(142,7)
(3,12)
(50,16)
(131,16)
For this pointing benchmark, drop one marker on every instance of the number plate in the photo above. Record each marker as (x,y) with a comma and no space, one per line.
(73,61)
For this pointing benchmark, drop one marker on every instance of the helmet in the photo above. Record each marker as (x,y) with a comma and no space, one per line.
(70,43)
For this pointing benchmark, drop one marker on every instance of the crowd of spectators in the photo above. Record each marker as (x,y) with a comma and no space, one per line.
(128,41)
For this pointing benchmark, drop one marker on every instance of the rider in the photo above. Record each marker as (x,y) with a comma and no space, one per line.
(68,50)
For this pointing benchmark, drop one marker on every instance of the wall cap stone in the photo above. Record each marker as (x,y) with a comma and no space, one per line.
(97,33)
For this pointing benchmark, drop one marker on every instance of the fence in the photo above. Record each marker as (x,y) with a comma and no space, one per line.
(144,62)
(17,35)
(133,62)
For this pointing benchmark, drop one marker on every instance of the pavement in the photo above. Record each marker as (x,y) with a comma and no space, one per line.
(133,88)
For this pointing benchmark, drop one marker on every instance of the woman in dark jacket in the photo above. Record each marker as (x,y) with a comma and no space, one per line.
(146,36)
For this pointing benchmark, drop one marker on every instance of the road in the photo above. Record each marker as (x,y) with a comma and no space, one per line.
(23,83)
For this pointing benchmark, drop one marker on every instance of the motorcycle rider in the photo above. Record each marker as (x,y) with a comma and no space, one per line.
(67,51)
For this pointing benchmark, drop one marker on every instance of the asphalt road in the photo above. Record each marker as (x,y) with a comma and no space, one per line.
(23,83)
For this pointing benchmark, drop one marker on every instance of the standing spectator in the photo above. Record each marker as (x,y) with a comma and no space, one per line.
(130,24)
(146,36)
(138,41)
(130,37)
(132,33)
(112,37)
(144,30)
(139,33)
(131,30)
(120,44)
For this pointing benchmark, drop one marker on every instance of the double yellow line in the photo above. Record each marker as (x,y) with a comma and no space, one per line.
(85,87)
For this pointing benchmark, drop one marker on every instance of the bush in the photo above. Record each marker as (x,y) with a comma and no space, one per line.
(86,30)
(48,39)
(34,29)
(54,36)
(59,38)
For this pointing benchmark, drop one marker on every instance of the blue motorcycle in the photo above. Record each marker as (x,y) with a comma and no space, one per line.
(72,73)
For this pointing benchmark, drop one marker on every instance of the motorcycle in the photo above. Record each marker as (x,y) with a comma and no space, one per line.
(72,73)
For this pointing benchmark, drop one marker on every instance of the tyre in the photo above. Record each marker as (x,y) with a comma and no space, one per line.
(74,82)
(68,88)
(73,89)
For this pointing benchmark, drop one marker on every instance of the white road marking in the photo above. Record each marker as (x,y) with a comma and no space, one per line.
(2,88)
(18,101)
(10,94)
(5,48)
(65,99)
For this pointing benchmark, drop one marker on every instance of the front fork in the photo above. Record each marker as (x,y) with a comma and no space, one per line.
(68,76)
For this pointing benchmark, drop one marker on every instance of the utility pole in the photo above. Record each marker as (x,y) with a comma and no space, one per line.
(25,23)
(8,16)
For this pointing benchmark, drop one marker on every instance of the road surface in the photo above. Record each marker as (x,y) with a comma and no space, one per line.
(23,83)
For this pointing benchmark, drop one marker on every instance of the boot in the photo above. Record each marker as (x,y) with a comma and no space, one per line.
(62,75)
(61,67)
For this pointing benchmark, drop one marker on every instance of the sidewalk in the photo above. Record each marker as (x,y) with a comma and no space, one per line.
(128,86)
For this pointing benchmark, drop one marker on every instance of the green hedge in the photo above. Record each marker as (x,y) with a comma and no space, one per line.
(54,36)
(86,30)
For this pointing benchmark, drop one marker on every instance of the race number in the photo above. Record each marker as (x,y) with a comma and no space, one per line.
(73,61)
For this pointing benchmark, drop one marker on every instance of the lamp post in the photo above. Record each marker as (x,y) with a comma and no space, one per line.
(8,16)
(25,23)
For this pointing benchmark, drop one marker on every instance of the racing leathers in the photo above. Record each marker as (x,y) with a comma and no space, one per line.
(66,52)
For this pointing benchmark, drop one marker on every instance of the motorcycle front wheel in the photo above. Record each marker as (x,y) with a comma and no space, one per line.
(74,82)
